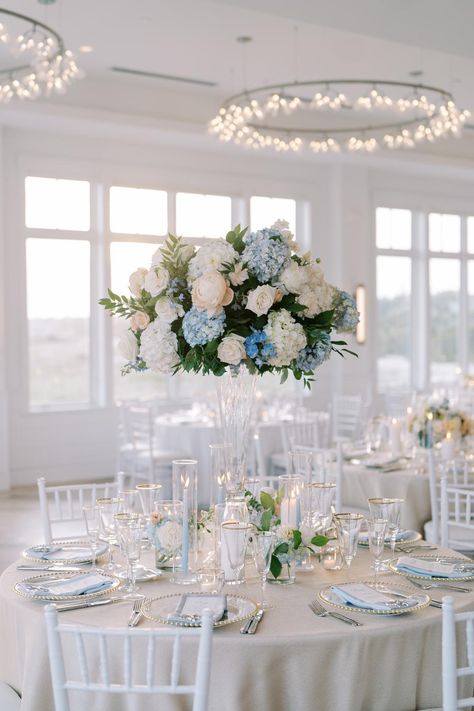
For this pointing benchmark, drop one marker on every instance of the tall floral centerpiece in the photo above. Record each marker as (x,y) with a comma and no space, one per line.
(249,302)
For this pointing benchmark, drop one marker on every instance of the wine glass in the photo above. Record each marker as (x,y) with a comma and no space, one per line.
(148,494)
(376,531)
(347,529)
(130,531)
(235,534)
(130,501)
(390,510)
(92,520)
(108,508)
(263,543)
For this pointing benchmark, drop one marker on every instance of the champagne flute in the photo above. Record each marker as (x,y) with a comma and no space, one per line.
(376,531)
(263,543)
(235,534)
(92,520)
(348,528)
(108,508)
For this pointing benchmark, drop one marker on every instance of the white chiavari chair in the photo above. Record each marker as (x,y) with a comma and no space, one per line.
(458,473)
(102,660)
(457,517)
(61,506)
(454,675)
(346,417)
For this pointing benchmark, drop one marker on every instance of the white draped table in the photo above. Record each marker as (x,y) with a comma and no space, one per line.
(295,662)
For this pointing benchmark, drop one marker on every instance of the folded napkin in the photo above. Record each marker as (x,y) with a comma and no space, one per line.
(76,585)
(432,568)
(380,462)
(45,552)
(361,595)
(401,536)
(54,552)
(191,607)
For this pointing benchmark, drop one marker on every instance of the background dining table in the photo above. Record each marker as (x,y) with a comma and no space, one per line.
(296,661)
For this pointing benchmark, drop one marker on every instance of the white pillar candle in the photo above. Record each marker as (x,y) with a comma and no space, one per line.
(447,447)
(395,437)
(289,512)
(229,574)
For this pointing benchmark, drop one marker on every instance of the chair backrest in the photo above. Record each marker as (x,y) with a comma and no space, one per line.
(457,516)
(457,473)
(318,465)
(346,417)
(103,660)
(61,506)
(396,403)
(451,672)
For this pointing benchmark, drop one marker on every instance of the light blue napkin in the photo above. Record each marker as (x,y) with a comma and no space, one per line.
(76,585)
(431,568)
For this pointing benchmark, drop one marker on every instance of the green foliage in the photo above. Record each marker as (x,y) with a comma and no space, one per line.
(267,501)
(236,238)
(172,257)
(319,541)
(297,539)
(266,520)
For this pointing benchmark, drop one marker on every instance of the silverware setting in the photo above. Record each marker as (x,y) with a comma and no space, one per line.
(79,605)
(321,611)
(136,614)
(410,548)
(246,626)
(436,584)
(257,618)
(53,568)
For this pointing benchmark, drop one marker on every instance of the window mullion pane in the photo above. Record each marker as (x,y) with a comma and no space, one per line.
(463,330)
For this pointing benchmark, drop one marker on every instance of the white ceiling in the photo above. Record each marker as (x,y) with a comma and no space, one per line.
(197,39)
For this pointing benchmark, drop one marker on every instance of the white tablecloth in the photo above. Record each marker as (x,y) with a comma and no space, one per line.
(295,662)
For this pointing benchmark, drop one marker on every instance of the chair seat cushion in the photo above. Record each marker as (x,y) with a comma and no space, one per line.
(460,538)
(9,699)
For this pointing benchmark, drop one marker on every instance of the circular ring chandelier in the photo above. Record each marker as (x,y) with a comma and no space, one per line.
(44,64)
(286,116)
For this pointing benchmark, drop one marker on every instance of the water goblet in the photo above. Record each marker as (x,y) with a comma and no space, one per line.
(347,529)
(130,501)
(235,535)
(108,508)
(130,532)
(376,531)
(263,544)
(210,580)
(390,510)
(92,520)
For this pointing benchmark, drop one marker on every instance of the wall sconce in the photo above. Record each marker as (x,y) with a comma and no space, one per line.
(361,303)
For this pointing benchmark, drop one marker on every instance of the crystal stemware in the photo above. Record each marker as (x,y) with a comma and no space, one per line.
(235,535)
(130,532)
(92,520)
(347,529)
(263,543)
(108,508)
(376,531)
(390,510)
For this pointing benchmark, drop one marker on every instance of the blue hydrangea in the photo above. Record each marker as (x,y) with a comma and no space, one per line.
(258,347)
(199,328)
(266,254)
(311,357)
(346,316)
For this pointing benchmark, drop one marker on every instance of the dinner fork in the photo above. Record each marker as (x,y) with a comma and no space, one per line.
(321,611)
(136,613)
(447,586)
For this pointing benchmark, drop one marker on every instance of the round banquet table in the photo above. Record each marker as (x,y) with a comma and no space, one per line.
(295,662)
(360,483)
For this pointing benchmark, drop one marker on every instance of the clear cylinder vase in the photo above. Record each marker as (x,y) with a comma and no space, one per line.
(287,574)
(236,394)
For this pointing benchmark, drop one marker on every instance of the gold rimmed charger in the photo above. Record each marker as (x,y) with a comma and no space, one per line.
(65,575)
(158,609)
(331,598)
(82,548)
(450,560)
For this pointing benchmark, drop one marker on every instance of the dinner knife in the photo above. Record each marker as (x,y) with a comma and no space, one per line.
(79,605)
(255,622)
(52,568)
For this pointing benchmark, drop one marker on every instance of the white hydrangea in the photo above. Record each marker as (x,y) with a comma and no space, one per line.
(210,257)
(294,278)
(168,310)
(317,299)
(286,335)
(159,346)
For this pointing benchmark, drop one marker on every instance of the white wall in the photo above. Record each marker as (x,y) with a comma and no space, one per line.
(340,194)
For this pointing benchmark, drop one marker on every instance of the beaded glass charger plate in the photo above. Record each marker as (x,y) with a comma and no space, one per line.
(162,609)
(402,538)
(401,595)
(63,552)
(465,568)
(144,575)
(110,582)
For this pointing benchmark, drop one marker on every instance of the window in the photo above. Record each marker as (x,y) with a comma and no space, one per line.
(136,211)
(264,211)
(56,204)
(203,215)
(58,298)
(444,233)
(393,228)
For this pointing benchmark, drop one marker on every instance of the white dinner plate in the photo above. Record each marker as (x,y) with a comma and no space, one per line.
(449,560)
(422,600)
(64,575)
(69,552)
(159,608)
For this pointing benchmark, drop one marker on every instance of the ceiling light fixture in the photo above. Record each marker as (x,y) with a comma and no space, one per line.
(332,115)
(43,65)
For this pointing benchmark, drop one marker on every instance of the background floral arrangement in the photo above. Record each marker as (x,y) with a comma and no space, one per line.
(444,419)
(291,544)
(246,299)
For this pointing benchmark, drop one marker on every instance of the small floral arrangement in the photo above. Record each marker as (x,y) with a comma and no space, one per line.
(291,543)
(248,299)
(166,534)
(435,421)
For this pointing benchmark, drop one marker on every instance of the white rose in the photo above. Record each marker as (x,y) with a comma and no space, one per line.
(294,278)
(170,536)
(137,282)
(128,347)
(139,321)
(210,292)
(156,280)
(231,350)
(167,310)
(261,299)
(239,275)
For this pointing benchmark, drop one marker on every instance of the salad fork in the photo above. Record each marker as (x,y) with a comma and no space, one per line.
(321,611)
